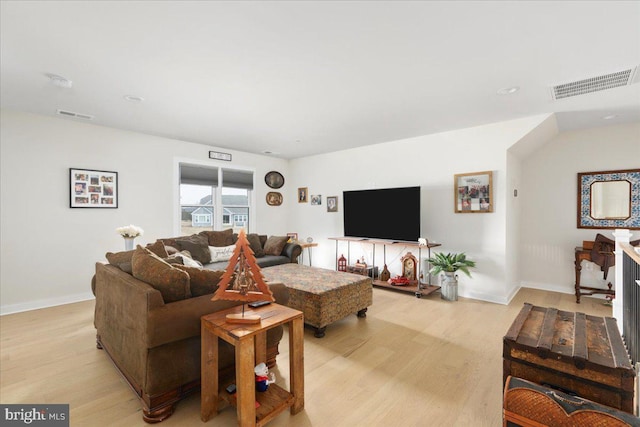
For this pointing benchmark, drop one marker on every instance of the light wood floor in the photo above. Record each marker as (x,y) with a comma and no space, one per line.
(410,362)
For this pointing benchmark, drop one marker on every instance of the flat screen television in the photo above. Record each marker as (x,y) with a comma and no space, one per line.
(388,213)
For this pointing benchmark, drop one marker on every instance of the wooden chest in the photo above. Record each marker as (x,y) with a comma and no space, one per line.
(572,352)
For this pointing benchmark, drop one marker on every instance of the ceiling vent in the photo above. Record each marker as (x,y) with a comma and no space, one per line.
(594,84)
(76,115)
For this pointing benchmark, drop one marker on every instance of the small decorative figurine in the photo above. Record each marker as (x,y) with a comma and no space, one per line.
(342,263)
(385,274)
(263,377)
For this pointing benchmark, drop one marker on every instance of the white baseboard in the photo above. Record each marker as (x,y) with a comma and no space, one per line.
(513,293)
(44,303)
(553,287)
(496,299)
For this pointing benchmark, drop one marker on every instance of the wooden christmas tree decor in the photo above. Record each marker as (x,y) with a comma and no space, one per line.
(243,281)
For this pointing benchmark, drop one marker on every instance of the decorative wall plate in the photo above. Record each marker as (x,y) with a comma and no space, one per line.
(274,198)
(274,179)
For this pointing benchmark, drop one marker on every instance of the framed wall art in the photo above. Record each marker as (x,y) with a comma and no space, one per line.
(302,194)
(332,204)
(316,200)
(473,192)
(90,188)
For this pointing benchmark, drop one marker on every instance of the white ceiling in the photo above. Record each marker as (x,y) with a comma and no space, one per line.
(301,78)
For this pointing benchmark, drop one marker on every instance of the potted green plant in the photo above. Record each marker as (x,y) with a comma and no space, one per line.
(449,264)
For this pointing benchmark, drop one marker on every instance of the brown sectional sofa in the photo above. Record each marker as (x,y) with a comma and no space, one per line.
(156,344)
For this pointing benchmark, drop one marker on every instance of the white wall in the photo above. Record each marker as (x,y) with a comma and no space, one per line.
(430,162)
(549,201)
(48,250)
(531,142)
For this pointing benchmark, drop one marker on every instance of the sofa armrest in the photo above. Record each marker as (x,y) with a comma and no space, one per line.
(280,292)
(292,251)
(122,305)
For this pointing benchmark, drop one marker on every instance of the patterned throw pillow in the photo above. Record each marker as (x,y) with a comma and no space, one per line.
(202,281)
(172,283)
(219,238)
(187,260)
(198,246)
(275,245)
(219,254)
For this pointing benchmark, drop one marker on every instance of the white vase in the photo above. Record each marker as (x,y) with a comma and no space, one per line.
(128,243)
(449,286)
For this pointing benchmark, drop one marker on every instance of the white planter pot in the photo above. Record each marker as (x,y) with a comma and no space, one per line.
(449,287)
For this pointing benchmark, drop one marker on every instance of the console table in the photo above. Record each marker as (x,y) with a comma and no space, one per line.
(584,253)
(250,342)
(419,289)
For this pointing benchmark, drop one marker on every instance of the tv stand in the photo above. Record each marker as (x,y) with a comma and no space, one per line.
(418,290)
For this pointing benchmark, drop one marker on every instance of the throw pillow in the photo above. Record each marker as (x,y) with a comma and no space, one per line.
(198,246)
(187,260)
(172,283)
(221,254)
(275,244)
(202,281)
(255,244)
(171,250)
(173,259)
(171,241)
(122,259)
(219,238)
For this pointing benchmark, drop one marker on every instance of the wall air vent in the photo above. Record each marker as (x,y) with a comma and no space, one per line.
(594,84)
(72,114)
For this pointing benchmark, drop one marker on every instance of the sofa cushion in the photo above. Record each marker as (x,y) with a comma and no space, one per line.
(275,244)
(198,246)
(255,244)
(202,281)
(122,259)
(219,238)
(172,282)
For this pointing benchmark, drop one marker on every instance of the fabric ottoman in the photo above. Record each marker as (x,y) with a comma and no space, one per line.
(324,296)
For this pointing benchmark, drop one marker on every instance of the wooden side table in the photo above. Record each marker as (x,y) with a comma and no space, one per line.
(308,247)
(250,342)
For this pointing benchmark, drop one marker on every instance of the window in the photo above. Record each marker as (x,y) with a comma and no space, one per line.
(207,205)
(235,205)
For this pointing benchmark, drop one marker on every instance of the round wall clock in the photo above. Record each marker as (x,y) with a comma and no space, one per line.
(274,179)
(274,198)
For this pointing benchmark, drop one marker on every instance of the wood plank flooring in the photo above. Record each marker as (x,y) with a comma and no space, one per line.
(410,362)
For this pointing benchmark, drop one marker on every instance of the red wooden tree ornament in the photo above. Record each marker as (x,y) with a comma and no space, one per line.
(245,283)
